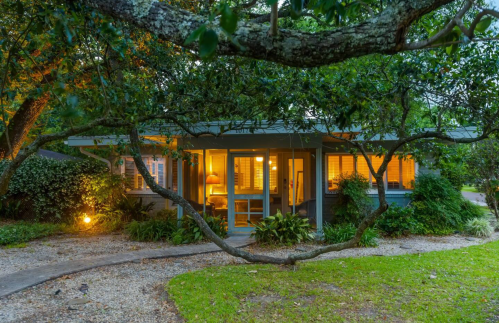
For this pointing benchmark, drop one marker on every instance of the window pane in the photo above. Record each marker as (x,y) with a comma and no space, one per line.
(248,175)
(362,167)
(393,173)
(347,165)
(298,179)
(256,205)
(273,188)
(376,162)
(217,167)
(241,220)
(161,172)
(333,170)
(408,174)
(129,173)
(241,205)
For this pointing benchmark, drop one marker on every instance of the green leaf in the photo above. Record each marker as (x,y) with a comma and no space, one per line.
(228,20)
(483,24)
(195,35)
(208,42)
(451,49)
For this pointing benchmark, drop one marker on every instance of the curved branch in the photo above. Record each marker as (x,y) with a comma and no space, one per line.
(382,34)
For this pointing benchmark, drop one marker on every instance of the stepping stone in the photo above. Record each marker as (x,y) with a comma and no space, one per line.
(405,246)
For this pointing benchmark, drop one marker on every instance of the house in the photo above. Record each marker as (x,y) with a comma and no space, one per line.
(245,176)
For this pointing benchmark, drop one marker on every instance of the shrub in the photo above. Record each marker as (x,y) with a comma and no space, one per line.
(9,209)
(479,227)
(24,232)
(438,207)
(398,221)
(344,232)
(190,231)
(55,190)
(353,202)
(132,208)
(151,230)
(283,229)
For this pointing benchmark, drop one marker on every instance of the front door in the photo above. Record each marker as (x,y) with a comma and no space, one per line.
(247,185)
(296,180)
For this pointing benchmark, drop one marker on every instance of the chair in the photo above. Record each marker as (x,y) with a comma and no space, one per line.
(308,209)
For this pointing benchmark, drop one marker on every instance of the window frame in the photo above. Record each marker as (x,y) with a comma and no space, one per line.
(145,189)
(372,190)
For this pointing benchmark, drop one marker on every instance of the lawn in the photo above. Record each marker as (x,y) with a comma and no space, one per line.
(467,188)
(447,286)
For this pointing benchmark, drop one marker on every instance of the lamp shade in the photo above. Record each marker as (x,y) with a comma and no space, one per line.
(212,179)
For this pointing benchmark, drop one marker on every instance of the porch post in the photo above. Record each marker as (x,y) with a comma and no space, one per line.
(204,181)
(294,182)
(179,186)
(319,190)
(266,184)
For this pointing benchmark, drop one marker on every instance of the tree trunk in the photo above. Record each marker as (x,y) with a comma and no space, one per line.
(23,120)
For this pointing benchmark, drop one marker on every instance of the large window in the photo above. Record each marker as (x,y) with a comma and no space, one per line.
(135,182)
(400,173)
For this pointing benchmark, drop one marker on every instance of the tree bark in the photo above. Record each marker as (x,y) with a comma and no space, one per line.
(383,34)
(23,120)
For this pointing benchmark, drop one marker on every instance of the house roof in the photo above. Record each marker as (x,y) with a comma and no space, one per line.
(55,155)
(273,130)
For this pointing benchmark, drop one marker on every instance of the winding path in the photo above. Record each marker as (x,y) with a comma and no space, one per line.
(23,279)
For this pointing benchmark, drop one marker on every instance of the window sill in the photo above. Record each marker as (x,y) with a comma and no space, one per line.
(375,192)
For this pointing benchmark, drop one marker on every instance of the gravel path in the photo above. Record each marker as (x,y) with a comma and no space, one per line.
(134,292)
(66,247)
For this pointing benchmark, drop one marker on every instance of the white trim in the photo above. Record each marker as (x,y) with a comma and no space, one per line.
(318,189)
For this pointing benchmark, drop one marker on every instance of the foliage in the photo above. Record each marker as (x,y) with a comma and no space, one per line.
(438,207)
(152,230)
(190,231)
(283,229)
(479,228)
(133,208)
(392,289)
(484,167)
(353,202)
(398,221)
(54,190)
(9,209)
(344,232)
(452,163)
(23,232)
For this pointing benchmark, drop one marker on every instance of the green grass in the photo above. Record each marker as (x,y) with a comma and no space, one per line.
(15,234)
(467,188)
(370,289)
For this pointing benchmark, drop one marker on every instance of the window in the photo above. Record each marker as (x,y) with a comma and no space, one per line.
(400,173)
(135,182)
(273,187)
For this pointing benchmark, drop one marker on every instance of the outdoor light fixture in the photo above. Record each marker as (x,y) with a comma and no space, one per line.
(259,159)
(270,162)
(87,219)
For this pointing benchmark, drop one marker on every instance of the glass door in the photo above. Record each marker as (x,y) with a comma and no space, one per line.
(296,180)
(248,198)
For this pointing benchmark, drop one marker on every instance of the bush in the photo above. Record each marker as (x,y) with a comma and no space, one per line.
(283,229)
(398,221)
(440,208)
(344,232)
(190,231)
(479,228)
(55,190)
(152,230)
(24,232)
(353,202)
(132,208)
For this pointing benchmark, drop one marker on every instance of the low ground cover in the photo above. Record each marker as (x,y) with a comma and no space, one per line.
(446,286)
(16,234)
